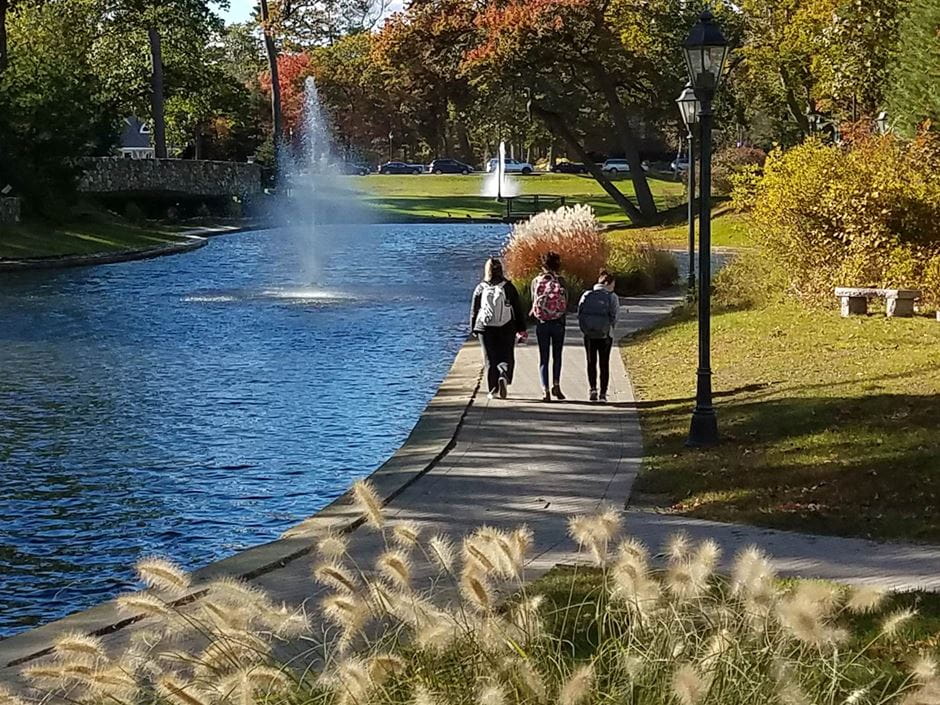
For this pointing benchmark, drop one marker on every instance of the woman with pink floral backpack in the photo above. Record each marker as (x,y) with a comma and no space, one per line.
(549,306)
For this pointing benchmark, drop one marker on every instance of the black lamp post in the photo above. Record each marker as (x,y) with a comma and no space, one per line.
(689,108)
(705,51)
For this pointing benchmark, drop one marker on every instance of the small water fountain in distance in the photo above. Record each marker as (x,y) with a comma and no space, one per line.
(497,184)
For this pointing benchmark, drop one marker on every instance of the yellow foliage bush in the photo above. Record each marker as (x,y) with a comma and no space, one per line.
(863,215)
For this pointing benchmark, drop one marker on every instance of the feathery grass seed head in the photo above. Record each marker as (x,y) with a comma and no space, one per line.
(396,566)
(164,575)
(688,685)
(368,503)
(864,599)
(443,552)
(406,534)
(578,686)
(336,576)
(332,546)
(79,648)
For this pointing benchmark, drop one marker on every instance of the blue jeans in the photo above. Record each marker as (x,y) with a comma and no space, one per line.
(551,337)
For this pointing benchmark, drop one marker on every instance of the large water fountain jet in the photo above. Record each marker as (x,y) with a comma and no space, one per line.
(316,199)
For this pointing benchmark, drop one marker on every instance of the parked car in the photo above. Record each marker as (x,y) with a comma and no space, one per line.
(449,166)
(680,164)
(618,166)
(352,168)
(511,166)
(400,168)
(569,168)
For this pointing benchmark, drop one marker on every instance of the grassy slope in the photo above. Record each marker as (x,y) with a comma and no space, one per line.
(459,196)
(728,230)
(828,424)
(43,240)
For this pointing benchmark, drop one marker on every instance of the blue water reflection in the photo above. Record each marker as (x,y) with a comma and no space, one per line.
(196,405)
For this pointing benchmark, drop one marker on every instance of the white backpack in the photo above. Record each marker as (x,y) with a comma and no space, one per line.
(495,309)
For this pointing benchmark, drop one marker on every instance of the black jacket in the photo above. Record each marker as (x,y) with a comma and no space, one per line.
(518,315)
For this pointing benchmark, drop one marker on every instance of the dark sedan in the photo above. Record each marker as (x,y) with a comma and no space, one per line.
(399,168)
(449,166)
(569,168)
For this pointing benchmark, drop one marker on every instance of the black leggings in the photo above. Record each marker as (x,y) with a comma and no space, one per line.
(598,349)
(499,347)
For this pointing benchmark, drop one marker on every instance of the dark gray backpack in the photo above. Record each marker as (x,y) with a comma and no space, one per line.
(594,314)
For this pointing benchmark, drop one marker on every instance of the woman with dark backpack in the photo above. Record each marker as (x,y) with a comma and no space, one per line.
(597,316)
(497,319)
(549,306)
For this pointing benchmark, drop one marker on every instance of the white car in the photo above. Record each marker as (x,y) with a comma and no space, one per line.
(618,166)
(512,167)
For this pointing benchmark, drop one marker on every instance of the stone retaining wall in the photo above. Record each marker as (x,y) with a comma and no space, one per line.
(9,210)
(185,177)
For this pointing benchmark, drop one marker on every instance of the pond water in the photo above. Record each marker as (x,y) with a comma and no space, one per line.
(196,405)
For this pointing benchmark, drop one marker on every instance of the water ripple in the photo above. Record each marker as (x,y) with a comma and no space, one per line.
(193,406)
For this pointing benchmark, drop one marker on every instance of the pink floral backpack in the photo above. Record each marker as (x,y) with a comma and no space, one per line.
(550,301)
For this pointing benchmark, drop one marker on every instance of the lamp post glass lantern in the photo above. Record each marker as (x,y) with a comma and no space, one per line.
(705,51)
(688,108)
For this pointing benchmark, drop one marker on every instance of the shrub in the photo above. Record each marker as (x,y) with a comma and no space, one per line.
(731,161)
(641,268)
(571,231)
(617,632)
(866,215)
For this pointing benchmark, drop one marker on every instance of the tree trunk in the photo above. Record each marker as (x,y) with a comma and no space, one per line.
(463,137)
(556,124)
(156,94)
(4,60)
(552,155)
(197,143)
(644,196)
(270,49)
(793,103)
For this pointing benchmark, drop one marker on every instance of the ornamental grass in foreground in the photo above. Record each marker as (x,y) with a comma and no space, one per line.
(441,621)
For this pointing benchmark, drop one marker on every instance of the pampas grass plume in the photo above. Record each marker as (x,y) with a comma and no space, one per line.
(368,503)
(578,686)
(476,590)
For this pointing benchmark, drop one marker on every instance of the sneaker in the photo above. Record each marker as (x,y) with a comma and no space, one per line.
(546,395)
(491,396)
(593,396)
(556,390)
(603,398)
(503,387)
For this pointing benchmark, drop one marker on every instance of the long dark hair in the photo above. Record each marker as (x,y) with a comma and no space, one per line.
(493,271)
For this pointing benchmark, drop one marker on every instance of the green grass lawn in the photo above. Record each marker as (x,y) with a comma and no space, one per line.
(35,239)
(828,425)
(430,195)
(728,230)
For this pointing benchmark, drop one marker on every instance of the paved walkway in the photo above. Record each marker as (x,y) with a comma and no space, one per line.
(523,460)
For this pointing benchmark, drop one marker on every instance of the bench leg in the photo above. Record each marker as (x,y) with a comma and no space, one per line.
(899,308)
(854,306)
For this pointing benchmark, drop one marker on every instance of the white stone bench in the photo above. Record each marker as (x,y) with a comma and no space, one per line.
(898,302)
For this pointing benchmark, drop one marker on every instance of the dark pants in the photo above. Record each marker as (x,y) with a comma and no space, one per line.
(598,350)
(551,337)
(499,347)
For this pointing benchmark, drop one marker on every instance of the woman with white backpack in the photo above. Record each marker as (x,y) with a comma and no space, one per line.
(497,319)
(549,306)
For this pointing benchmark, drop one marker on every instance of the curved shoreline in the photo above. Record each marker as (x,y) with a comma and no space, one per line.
(191,240)
(432,437)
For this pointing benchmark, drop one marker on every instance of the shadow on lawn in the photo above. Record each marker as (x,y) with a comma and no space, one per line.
(864,466)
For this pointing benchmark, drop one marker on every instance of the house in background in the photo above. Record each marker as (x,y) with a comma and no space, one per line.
(136,140)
